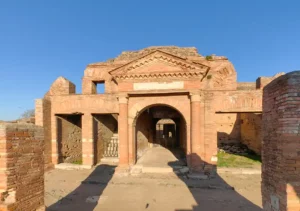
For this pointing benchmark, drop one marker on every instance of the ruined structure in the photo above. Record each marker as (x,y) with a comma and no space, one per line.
(281,144)
(198,98)
(22,167)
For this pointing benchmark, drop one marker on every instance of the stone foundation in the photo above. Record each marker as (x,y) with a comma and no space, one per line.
(281,144)
(21,167)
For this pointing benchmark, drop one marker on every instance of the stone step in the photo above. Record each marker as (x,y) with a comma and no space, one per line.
(109,160)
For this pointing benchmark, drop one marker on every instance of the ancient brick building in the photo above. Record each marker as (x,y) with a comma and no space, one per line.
(167,96)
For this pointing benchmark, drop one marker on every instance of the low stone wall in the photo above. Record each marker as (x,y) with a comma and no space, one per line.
(281,144)
(21,167)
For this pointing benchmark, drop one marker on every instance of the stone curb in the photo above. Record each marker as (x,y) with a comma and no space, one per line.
(239,170)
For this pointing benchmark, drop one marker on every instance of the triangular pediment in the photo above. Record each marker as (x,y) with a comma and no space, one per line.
(159,64)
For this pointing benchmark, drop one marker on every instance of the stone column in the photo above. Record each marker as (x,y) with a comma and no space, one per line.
(123,131)
(54,145)
(196,132)
(87,140)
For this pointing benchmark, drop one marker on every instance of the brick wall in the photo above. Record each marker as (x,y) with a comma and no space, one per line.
(21,167)
(251,131)
(143,133)
(228,128)
(69,138)
(281,144)
(43,118)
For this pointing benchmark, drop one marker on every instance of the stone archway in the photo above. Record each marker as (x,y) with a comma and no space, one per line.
(136,105)
(173,149)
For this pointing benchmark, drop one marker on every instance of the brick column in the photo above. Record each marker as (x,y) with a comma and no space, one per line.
(196,132)
(54,147)
(87,140)
(123,131)
(281,144)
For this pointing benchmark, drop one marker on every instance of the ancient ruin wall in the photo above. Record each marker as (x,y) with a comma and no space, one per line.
(251,131)
(69,138)
(143,133)
(281,143)
(228,128)
(22,167)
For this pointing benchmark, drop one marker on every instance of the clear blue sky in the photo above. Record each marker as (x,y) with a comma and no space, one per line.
(41,40)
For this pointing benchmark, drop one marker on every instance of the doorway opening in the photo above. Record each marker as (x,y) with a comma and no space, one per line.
(69,138)
(160,137)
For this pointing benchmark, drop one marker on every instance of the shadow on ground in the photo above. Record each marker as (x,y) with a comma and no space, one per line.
(102,190)
(86,196)
(212,193)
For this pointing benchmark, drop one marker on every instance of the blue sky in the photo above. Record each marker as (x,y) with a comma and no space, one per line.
(41,40)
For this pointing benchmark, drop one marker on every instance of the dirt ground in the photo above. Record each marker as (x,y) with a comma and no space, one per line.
(101,189)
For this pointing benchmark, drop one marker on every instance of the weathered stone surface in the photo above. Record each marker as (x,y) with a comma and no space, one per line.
(69,138)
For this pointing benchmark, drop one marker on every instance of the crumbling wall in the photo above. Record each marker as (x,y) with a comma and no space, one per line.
(143,133)
(69,138)
(105,125)
(21,167)
(251,131)
(228,128)
(281,143)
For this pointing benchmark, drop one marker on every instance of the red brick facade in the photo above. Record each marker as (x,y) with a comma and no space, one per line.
(21,167)
(178,78)
(281,144)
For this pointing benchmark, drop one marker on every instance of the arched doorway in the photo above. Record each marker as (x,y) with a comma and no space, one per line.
(160,137)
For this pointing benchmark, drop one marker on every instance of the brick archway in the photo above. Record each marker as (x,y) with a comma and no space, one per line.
(135,109)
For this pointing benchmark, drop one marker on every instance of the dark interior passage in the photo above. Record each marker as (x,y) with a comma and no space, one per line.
(161,126)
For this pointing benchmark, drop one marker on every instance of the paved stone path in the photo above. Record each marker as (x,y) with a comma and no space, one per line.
(99,189)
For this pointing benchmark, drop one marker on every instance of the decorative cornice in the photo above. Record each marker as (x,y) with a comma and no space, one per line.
(188,69)
(161,75)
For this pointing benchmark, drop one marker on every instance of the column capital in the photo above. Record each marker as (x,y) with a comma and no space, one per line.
(196,97)
(123,99)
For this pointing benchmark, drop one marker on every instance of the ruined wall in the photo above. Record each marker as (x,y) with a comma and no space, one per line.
(237,101)
(281,143)
(228,128)
(21,167)
(43,118)
(251,131)
(105,126)
(69,138)
(93,104)
(143,133)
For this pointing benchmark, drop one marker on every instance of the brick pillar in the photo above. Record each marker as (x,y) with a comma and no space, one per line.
(87,140)
(197,132)
(123,131)
(54,145)
(39,111)
(281,144)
